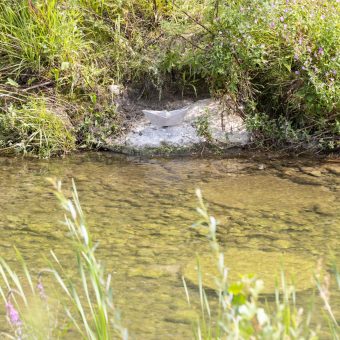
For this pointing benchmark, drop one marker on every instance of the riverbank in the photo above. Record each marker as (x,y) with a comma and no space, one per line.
(276,67)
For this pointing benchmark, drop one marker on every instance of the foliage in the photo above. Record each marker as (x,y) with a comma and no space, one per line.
(240,313)
(34,128)
(88,305)
(34,310)
(98,122)
(202,127)
(277,59)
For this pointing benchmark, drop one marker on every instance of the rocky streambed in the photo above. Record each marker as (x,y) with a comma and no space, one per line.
(271,212)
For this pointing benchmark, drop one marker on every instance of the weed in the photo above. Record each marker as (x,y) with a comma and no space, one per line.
(34,128)
(88,307)
(240,313)
(279,60)
(202,127)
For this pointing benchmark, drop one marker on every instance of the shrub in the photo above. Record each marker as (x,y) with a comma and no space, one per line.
(280,58)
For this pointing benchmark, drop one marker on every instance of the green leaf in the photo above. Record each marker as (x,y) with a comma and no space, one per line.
(287,66)
(239,299)
(65,66)
(12,83)
(235,288)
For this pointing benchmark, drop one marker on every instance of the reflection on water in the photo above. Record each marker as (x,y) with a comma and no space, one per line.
(140,213)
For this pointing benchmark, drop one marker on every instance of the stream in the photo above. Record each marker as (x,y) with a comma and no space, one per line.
(141,214)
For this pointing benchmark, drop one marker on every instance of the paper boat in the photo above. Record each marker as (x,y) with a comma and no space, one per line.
(166,118)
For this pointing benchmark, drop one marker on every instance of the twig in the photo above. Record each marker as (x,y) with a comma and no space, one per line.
(5,95)
(190,42)
(217,7)
(194,20)
(37,86)
(150,42)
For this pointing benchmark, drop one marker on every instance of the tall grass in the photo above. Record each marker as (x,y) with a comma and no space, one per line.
(35,128)
(103,320)
(88,306)
(39,38)
(277,61)
(241,314)
(323,284)
(86,309)
(68,52)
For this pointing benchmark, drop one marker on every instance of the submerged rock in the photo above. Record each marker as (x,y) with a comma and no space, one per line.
(186,316)
(204,121)
(147,272)
(153,271)
(334,169)
(314,172)
(266,266)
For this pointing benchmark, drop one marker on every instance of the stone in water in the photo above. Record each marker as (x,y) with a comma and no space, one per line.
(166,118)
(267,266)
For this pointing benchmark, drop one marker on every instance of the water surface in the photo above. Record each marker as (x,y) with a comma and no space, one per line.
(140,212)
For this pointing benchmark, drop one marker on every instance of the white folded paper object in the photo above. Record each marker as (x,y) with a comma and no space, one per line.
(166,118)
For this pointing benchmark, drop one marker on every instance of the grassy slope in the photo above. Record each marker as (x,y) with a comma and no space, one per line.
(278,60)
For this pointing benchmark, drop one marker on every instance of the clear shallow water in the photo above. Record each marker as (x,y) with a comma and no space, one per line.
(140,212)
